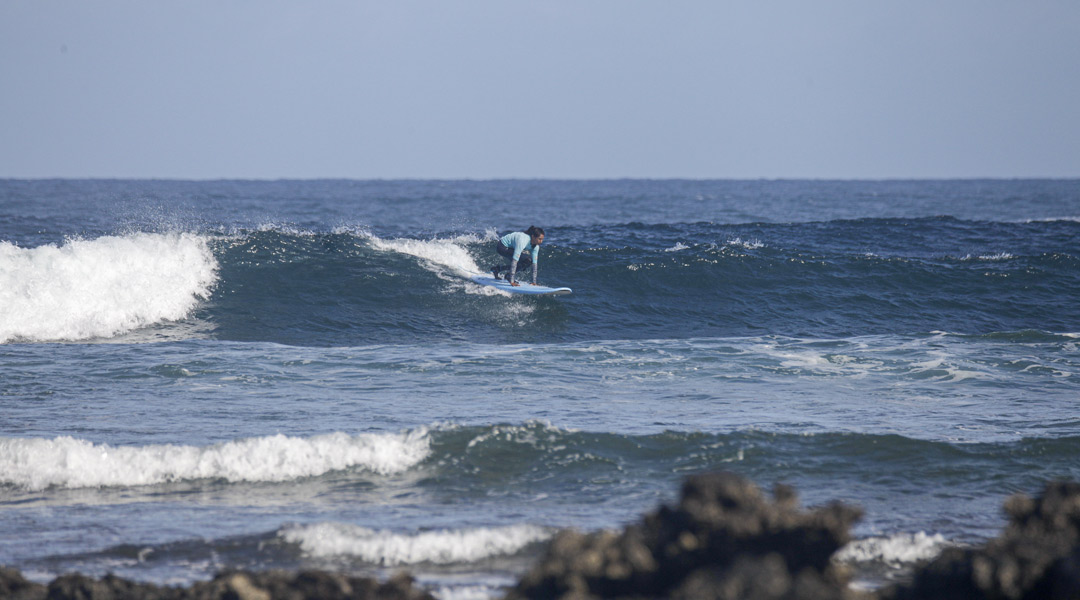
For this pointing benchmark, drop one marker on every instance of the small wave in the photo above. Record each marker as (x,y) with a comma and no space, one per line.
(894,550)
(677,247)
(1053,220)
(534,433)
(102,287)
(65,462)
(389,548)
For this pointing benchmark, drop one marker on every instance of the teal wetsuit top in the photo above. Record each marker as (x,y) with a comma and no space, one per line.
(520,242)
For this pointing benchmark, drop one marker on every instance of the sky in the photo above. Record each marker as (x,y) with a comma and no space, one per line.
(269,89)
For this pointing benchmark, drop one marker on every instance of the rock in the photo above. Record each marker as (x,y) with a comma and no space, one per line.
(725,539)
(241,586)
(308,585)
(16,587)
(79,587)
(1036,556)
(235,585)
(305,585)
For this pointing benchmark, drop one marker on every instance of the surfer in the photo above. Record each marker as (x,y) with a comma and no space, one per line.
(522,248)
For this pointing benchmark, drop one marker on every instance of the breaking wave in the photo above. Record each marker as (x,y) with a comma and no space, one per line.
(102,287)
(388,548)
(66,462)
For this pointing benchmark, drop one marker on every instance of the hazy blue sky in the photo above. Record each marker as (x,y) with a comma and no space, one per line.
(510,88)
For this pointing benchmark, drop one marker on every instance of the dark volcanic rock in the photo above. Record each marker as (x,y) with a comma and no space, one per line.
(239,585)
(305,585)
(1037,556)
(14,586)
(723,540)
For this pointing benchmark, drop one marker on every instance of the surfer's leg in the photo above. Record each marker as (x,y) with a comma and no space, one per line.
(506,252)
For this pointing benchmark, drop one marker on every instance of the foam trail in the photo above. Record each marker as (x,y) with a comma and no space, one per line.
(38,463)
(102,287)
(388,548)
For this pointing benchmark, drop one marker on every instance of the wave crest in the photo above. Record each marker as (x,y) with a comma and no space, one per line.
(102,287)
(388,548)
(66,462)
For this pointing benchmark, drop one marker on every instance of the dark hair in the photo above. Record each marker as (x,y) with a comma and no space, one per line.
(534,231)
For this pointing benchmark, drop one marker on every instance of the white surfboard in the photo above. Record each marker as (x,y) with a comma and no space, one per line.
(523,288)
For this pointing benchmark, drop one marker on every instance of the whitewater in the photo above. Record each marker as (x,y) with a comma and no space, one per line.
(102,287)
(298,374)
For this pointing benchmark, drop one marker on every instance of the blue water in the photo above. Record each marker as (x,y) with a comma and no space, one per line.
(197,375)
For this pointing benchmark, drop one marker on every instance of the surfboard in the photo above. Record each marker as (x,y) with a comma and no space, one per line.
(524,288)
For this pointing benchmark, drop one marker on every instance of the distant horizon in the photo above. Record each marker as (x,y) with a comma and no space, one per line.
(568,179)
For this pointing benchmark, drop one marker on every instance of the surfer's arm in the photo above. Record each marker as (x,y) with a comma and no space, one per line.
(513,270)
(534,273)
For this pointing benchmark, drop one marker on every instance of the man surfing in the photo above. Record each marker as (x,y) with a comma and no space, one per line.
(522,248)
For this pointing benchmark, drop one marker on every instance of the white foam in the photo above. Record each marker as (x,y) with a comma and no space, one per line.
(989,257)
(806,359)
(894,550)
(677,247)
(522,434)
(448,254)
(388,548)
(468,592)
(38,463)
(1053,219)
(940,362)
(102,287)
(954,375)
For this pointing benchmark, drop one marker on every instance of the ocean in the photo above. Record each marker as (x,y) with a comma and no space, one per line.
(198,375)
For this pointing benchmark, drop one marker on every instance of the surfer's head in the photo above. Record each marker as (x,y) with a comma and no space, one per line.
(536,235)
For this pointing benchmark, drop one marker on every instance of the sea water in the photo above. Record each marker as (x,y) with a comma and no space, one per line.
(203,375)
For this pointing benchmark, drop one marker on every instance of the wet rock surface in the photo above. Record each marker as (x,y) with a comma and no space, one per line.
(725,539)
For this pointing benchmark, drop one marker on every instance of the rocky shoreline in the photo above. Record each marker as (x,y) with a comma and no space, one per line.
(725,539)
